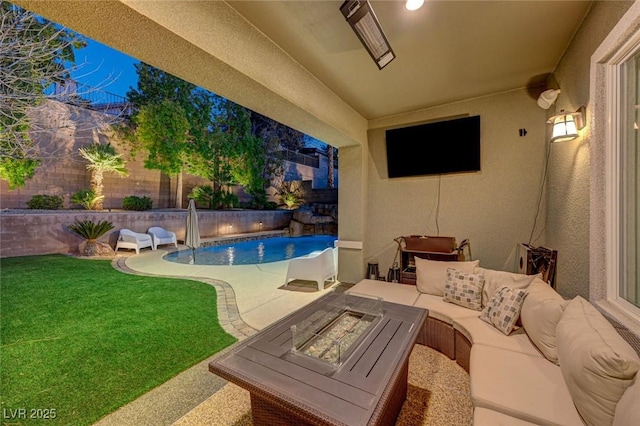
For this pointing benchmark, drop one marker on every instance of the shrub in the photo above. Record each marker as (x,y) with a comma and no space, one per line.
(271,205)
(214,199)
(89,229)
(133,202)
(290,194)
(87,198)
(45,202)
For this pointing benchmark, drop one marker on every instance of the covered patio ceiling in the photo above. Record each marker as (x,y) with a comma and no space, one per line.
(300,63)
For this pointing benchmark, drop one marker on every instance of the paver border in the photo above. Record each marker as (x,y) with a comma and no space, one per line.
(228,314)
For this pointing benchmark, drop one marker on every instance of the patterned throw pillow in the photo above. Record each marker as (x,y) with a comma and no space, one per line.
(503,310)
(464,289)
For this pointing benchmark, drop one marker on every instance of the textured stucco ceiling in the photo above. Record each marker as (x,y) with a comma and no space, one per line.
(300,63)
(446,51)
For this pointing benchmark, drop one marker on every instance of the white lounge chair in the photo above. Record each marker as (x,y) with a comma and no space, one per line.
(134,240)
(162,236)
(317,266)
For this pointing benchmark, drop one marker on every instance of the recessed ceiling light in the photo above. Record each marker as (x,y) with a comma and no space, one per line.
(414,4)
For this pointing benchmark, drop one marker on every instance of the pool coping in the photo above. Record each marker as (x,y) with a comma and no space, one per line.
(235,238)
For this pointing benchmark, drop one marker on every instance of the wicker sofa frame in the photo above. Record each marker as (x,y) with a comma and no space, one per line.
(454,334)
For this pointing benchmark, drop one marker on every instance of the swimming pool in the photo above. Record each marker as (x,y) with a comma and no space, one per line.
(257,251)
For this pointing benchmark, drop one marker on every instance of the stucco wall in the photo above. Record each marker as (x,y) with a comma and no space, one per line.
(569,175)
(494,208)
(603,256)
(352,211)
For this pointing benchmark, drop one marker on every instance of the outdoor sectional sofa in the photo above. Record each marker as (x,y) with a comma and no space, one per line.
(565,365)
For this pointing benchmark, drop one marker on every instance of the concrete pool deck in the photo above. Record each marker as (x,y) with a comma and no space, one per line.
(258,290)
(250,297)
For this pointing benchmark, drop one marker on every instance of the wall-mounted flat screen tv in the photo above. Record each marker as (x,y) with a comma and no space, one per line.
(450,146)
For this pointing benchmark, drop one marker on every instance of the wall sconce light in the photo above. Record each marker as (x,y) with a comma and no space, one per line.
(364,23)
(566,125)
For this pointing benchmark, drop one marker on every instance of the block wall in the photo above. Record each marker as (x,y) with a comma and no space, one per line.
(61,129)
(29,233)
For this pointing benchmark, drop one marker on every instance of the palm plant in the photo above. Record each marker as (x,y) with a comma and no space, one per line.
(90,231)
(102,159)
(290,194)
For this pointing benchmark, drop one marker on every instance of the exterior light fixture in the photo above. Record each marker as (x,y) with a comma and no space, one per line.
(414,4)
(566,125)
(364,23)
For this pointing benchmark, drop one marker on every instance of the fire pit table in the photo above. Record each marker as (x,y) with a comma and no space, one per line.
(341,360)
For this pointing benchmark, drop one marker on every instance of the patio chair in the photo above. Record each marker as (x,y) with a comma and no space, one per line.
(162,236)
(134,240)
(317,266)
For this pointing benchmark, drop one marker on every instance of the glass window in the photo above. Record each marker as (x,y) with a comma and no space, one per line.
(629,175)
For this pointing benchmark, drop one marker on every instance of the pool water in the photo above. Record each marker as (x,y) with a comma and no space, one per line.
(253,252)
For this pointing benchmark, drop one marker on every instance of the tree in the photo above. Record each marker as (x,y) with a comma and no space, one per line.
(33,53)
(225,142)
(159,98)
(266,128)
(331,154)
(163,130)
(102,159)
(230,153)
(247,155)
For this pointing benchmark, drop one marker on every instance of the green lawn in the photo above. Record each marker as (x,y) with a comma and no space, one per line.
(82,339)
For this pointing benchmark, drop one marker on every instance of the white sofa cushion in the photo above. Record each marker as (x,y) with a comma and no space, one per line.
(432,274)
(464,289)
(540,314)
(598,365)
(503,310)
(520,385)
(403,294)
(478,331)
(485,417)
(627,410)
(493,280)
(441,310)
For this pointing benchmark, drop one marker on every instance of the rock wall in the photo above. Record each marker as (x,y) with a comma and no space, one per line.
(315,219)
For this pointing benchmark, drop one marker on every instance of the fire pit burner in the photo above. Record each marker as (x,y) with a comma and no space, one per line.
(329,335)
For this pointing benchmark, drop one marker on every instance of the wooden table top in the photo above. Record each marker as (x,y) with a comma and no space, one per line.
(349,394)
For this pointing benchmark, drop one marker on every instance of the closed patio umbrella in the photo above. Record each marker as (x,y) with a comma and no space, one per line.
(192,234)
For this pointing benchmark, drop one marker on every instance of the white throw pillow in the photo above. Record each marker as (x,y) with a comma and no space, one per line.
(597,364)
(503,310)
(464,289)
(493,280)
(627,412)
(540,314)
(431,275)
